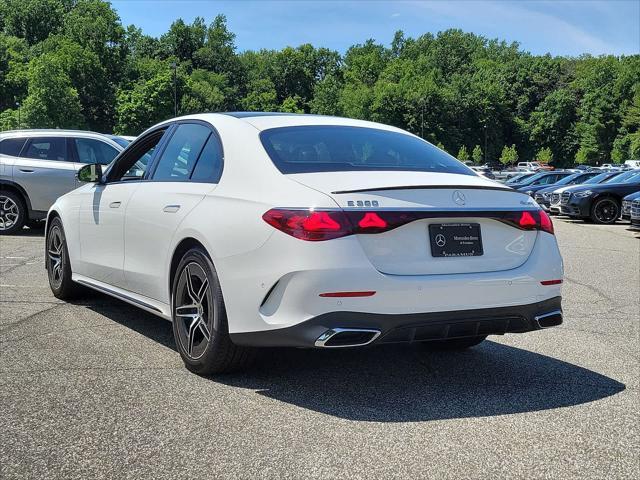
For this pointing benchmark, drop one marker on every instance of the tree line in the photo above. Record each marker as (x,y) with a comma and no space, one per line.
(72,64)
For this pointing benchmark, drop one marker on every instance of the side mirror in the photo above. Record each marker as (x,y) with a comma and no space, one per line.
(91,173)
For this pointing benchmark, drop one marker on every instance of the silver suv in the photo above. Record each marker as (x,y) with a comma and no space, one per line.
(37,166)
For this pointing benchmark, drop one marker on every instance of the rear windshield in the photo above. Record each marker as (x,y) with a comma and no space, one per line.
(315,148)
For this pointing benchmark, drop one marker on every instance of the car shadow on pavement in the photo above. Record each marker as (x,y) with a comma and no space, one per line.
(400,383)
(29,232)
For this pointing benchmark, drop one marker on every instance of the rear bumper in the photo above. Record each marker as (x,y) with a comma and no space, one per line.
(412,327)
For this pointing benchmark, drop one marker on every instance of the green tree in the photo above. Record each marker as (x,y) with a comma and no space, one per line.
(205,92)
(509,155)
(9,120)
(544,155)
(292,105)
(88,76)
(261,97)
(182,40)
(149,101)
(13,71)
(477,154)
(33,20)
(52,101)
(453,88)
(626,146)
(326,96)
(463,155)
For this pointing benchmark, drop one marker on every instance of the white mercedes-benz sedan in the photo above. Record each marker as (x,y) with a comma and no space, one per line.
(263,229)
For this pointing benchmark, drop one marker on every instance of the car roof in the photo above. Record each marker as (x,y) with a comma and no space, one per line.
(52,132)
(267,120)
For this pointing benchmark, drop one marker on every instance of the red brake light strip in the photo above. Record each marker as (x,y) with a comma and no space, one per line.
(318,225)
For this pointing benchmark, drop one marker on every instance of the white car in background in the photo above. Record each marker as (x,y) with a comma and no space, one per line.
(259,229)
(632,164)
(529,166)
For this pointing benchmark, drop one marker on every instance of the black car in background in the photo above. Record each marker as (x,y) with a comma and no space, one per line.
(556,195)
(635,211)
(601,203)
(544,181)
(519,178)
(538,178)
(543,195)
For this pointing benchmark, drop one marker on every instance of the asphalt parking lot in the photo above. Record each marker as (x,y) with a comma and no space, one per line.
(95,389)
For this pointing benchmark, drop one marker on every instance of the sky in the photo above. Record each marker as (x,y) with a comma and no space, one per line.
(560,27)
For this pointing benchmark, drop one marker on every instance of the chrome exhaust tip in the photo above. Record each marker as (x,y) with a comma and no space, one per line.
(551,319)
(346,337)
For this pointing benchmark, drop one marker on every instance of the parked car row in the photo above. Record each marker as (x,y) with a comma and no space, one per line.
(38,166)
(600,197)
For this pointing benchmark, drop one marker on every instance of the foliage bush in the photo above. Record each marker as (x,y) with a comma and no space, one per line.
(71,63)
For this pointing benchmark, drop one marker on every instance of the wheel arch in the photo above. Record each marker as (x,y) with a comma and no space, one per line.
(611,195)
(16,188)
(181,248)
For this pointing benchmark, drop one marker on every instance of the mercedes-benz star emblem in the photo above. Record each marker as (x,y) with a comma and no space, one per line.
(440,240)
(458,197)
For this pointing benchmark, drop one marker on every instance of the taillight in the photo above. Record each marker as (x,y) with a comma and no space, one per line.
(546,225)
(309,225)
(529,220)
(317,225)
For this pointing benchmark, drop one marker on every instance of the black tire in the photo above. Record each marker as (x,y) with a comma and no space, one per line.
(605,211)
(198,311)
(455,343)
(57,263)
(12,212)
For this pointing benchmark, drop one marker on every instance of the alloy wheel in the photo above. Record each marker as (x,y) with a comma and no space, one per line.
(9,212)
(55,256)
(193,310)
(606,211)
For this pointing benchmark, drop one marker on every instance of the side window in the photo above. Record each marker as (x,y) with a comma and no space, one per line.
(133,164)
(94,151)
(47,148)
(11,146)
(209,166)
(182,151)
(139,168)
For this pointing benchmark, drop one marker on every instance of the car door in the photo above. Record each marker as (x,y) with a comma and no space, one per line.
(102,212)
(45,170)
(183,173)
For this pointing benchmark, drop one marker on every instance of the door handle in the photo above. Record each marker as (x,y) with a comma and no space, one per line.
(171,208)
(115,204)
(26,170)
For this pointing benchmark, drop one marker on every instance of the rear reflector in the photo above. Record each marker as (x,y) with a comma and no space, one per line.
(326,224)
(551,282)
(348,294)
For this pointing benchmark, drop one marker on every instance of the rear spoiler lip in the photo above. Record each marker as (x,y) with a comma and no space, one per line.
(429,187)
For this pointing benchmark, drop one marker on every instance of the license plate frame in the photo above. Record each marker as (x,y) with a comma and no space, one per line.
(455,240)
